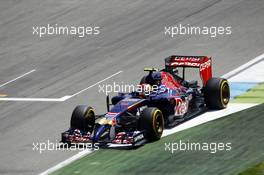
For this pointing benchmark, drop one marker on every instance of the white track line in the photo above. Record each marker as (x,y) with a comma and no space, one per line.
(253,74)
(209,116)
(37,99)
(70,96)
(21,76)
(62,99)
(244,66)
(67,161)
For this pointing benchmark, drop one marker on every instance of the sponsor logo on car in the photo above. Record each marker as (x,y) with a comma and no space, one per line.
(138,137)
(205,65)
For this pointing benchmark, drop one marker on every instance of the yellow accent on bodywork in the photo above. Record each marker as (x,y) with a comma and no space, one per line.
(150,69)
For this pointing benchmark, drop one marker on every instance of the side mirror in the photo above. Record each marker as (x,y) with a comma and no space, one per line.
(107,103)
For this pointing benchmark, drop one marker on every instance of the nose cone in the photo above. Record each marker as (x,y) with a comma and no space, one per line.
(98,133)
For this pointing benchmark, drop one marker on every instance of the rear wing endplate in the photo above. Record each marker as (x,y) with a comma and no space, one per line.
(204,64)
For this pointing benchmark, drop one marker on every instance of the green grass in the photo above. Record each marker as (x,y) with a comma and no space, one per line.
(244,130)
(256,170)
(255,95)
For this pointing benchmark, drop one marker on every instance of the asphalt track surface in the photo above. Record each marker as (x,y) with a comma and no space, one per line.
(132,37)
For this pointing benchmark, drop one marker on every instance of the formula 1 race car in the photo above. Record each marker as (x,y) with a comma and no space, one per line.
(134,118)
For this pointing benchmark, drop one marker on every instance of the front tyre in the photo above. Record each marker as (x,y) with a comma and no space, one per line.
(217,93)
(152,122)
(83,118)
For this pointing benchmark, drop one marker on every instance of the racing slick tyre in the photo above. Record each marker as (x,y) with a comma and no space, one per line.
(217,93)
(152,122)
(83,118)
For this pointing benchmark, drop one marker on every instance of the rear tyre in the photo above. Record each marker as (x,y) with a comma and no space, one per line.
(83,118)
(152,122)
(217,93)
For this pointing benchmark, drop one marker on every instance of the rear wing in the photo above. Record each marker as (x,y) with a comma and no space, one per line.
(204,64)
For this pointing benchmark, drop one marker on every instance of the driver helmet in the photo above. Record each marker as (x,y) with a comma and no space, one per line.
(156,76)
